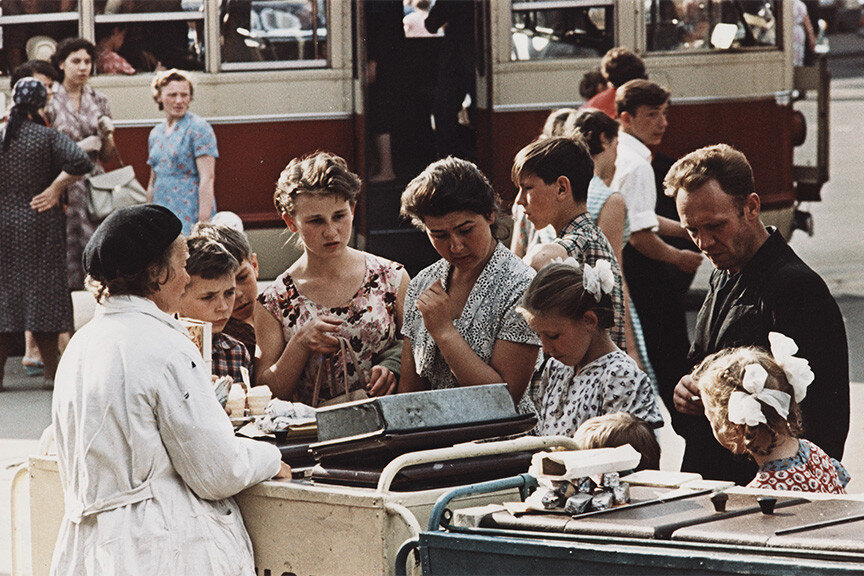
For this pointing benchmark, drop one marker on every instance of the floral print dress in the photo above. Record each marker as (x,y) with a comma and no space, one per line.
(78,124)
(172,159)
(369,325)
(810,470)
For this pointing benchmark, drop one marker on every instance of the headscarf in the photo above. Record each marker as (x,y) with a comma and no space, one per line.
(28,96)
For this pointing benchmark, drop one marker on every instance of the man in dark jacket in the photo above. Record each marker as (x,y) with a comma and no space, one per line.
(759,286)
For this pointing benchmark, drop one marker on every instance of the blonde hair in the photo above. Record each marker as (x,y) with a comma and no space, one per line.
(619,428)
(165,77)
(722,373)
(318,174)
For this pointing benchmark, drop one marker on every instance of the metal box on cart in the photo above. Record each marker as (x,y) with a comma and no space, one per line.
(297,527)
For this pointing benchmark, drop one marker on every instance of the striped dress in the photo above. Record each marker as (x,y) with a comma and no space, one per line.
(598,193)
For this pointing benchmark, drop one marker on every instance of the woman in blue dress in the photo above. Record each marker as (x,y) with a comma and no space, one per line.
(182,153)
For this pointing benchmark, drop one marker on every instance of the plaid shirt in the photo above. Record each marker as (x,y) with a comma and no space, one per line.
(240,330)
(584,241)
(229,355)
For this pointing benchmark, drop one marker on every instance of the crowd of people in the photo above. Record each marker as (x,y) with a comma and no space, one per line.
(582,319)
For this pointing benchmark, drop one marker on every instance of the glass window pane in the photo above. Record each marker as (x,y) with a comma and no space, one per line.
(31,29)
(140,35)
(686,25)
(264,33)
(544,29)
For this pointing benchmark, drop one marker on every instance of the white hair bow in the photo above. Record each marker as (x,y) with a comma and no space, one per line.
(569,261)
(745,407)
(797,370)
(598,280)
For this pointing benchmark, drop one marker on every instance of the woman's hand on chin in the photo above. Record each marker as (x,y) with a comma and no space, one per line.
(319,334)
(435,309)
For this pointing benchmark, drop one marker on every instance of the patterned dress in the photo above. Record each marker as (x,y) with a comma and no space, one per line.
(78,124)
(489,314)
(172,158)
(585,242)
(810,470)
(34,294)
(369,324)
(598,194)
(611,383)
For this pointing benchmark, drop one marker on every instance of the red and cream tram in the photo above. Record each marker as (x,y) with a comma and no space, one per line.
(281,78)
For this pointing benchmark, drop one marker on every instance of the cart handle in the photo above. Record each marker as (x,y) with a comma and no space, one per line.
(470,450)
(524,482)
(407,547)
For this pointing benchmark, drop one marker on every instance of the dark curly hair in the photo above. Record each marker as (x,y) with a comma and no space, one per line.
(318,174)
(67,47)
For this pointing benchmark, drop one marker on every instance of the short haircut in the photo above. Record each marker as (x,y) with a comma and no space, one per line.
(67,47)
(635,93)
(556,122)
(720,162)
(619,428)
(318,174)
(557,290)
(165,77)
(619,65)
(589,125)
(33,67)
(209,259)
(449,185)
(551,158)
(589,83)
(232,240)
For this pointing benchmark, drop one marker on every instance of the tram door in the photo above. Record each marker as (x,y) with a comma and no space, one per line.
(418,92)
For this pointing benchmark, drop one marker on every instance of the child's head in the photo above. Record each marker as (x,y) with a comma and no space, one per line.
(210,294)
(246,276)
(619,428)
(556,122)
(563,308)
(753,421)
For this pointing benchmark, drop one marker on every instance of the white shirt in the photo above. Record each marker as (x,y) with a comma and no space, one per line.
(148,459)
(634,179)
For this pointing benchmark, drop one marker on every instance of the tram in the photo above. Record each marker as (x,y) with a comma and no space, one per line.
(282,78)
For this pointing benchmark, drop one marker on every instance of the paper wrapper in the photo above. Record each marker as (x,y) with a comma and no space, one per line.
(575,464)
(201,334)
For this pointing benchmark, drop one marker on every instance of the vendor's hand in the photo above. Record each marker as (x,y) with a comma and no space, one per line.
(318,335)
(284,471)
(47,199)
(686,397)
(90,144)
(688,261)
(434,306)
(381,381)
(106,126)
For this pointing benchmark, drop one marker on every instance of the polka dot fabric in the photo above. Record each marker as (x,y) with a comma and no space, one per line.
(810,470)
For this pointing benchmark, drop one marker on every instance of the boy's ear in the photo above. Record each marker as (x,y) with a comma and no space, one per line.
(290,223)
(564,190)
(253,260)
(625,118)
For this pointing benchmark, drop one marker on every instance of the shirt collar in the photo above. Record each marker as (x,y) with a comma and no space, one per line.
(125,304)
(767,253)
(575,224)
(634,145)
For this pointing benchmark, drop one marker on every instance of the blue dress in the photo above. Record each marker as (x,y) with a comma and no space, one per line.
(598,193)
(172,158)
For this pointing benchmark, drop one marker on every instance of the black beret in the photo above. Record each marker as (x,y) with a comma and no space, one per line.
(129,240)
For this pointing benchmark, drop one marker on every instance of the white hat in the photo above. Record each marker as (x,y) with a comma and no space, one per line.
(40,48)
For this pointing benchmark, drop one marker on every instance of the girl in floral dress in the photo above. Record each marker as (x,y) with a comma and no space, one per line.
(587,374)
(334,300)
(752,402)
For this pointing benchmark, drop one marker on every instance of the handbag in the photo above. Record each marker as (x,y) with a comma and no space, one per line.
(326,373)
(114,190)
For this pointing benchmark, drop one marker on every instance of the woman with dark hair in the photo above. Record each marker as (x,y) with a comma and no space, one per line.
(461,325)
(84,115)
(36,165)
(147,456)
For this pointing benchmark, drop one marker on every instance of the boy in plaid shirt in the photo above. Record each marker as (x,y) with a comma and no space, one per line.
(209,297)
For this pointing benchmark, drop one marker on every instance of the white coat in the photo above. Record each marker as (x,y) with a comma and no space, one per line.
(147,457)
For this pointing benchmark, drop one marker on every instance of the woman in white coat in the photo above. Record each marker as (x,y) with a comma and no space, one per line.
(148,458)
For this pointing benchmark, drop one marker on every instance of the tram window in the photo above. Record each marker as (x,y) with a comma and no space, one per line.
(258,34)
(543,29)
(696,25)
(32,28)
(149,34)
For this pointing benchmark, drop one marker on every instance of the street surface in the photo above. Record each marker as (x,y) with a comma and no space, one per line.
(835,251)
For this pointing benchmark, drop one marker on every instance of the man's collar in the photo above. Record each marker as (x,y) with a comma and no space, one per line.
(766,254)
(634,144)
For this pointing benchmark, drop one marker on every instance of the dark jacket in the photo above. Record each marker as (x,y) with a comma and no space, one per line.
(775,292)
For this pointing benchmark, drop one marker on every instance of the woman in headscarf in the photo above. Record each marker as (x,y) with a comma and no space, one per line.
(147,456)
(36,165)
